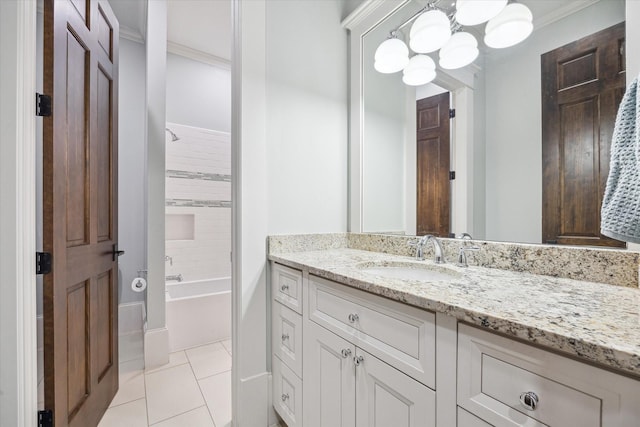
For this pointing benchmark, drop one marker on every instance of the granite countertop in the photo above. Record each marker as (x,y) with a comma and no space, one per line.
(594,321)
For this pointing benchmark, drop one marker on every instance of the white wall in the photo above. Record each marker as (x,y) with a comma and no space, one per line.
(198,211)
(156,339)
(198,94)
(18,373)
(131,167)
(383,150)
(513,130)
(306,66)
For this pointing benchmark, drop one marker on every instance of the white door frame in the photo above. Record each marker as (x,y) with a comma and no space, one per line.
(18,367)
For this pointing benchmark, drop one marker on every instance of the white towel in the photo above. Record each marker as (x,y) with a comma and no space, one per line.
(620,214)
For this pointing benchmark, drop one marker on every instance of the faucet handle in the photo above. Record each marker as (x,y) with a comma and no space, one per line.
(462,256)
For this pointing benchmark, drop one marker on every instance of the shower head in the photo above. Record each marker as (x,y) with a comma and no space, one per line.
(174,137)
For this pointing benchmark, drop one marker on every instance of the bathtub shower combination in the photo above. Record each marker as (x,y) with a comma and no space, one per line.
(198,236)
(198,312)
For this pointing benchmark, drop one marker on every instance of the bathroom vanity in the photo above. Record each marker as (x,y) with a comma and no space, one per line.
(357,340)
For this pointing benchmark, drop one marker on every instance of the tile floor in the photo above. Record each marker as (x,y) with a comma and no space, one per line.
(193,389)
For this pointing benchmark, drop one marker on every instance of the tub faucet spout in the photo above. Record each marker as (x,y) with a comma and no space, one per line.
(176,277)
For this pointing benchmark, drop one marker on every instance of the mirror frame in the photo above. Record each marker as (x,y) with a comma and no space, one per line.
(459,82)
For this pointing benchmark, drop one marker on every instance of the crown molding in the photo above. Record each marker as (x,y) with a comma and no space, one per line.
(361,13)
(198,55)
(131,34)
(561,12)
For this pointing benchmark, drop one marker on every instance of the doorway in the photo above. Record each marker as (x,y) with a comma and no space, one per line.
(582,85)
(433,154)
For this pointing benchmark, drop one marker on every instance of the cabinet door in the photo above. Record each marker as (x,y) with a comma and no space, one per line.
(329,379)
(387,397)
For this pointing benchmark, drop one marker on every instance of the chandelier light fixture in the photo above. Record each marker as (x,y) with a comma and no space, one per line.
(420,71)
(433,29)
(391,56)
(511,26)
(474,12)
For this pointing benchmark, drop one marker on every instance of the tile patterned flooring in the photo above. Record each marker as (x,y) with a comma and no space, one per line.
(193,389)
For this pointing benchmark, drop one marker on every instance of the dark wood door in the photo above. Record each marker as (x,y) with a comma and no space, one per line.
(433,188)
(80,210)
(582,86)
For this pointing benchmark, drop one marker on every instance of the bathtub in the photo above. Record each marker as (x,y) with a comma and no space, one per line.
(198,312)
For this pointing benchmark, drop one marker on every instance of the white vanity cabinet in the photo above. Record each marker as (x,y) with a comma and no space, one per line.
(346,386)
(366,360)
(286,343)
(369,361)
(509,383)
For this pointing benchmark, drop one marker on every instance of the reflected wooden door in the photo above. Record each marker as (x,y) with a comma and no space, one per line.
(80,210)
(433,187)
(582,86)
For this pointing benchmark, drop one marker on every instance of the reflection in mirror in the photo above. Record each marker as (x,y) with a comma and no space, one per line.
(495,145)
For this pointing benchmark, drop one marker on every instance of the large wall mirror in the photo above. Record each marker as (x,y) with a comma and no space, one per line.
(495,147)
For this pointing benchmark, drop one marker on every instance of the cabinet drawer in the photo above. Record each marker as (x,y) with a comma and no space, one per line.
(287,394)
(465,419)
(400,335)
(494,372)
(286,286)
(286,337)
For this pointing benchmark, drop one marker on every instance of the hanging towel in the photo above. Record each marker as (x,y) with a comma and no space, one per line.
(620,212)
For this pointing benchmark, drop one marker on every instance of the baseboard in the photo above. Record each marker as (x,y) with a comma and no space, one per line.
(253,401)
(156,347)
(274,420)
(130,317)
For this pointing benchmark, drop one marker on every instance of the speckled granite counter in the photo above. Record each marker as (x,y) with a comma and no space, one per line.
(594,321)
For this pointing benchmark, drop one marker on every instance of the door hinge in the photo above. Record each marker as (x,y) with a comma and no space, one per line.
(45,418)
(452,113)
(43,105)
(43,263)
(452,175)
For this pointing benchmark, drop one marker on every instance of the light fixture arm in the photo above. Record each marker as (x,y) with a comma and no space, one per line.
(430,6)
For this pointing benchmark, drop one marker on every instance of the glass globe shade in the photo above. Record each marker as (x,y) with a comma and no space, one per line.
(420,70)
(510,27)
(459,51)
(429,32)
(474,12)
(391,56)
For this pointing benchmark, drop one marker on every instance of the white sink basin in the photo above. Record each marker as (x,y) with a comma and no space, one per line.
(409,271)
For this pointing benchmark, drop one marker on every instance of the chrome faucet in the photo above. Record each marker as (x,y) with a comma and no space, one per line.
(177,277)
(438,257)
(462,255)
(168,258)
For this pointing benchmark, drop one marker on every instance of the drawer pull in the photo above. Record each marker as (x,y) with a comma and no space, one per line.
(529,400)
(284,287)
(358,360)
(285,397)
(285,337)
(346,352)
(353,318)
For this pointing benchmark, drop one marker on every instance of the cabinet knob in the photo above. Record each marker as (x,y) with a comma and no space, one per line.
(285,397)
(284,287)
(285,337)
(358,360)
(346,352)
(529,400)
(353,318)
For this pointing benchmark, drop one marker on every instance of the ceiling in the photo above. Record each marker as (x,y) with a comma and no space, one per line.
(199,27)
(202,28)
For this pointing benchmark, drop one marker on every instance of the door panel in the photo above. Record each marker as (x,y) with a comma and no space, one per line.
(582,86)
(387,397)
(433,188)
(329,380)
(80,210)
